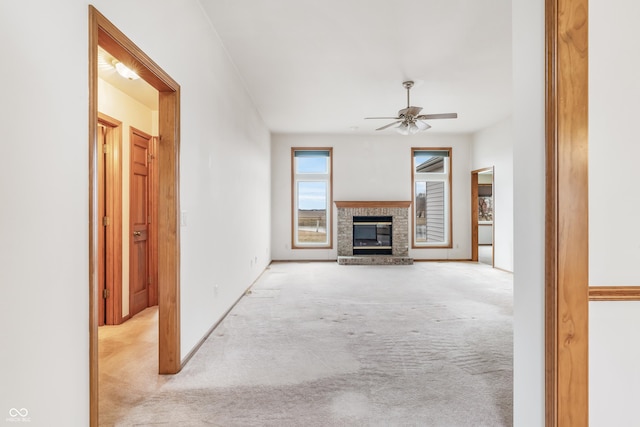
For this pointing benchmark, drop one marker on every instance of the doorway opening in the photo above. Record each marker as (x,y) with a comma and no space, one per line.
(104,34)
(482,216)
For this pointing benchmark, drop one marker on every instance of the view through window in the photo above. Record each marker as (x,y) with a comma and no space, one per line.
(431,197)
(311,197)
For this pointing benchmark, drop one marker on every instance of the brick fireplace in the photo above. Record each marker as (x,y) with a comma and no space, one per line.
(396,211)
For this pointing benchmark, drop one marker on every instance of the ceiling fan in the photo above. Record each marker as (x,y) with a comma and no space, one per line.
(409,119)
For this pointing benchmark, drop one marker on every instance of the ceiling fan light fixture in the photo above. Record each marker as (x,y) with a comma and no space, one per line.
(422,125)
(403,128)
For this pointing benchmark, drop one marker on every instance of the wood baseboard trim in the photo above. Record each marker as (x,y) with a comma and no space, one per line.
(614,293)
(444,260)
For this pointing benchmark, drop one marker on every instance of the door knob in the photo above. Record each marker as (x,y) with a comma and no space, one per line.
(136,233)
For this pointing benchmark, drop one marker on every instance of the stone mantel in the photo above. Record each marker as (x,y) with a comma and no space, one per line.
(373,204)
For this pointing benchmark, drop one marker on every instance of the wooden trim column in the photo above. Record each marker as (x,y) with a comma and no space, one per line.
(169,233)
(567,252)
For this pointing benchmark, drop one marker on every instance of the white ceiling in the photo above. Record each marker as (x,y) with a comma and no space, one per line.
(322,66)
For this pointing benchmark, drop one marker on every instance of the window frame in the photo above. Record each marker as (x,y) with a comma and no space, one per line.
(448,215)
(295,178)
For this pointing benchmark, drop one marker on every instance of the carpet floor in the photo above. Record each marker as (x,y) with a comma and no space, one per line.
(318,344)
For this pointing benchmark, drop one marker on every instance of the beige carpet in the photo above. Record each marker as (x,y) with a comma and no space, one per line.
(318,344)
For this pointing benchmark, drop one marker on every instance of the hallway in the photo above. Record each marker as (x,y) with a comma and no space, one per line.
(128,364)
(320,344)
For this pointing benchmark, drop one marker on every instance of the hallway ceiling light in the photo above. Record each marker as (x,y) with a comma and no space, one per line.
(125,71)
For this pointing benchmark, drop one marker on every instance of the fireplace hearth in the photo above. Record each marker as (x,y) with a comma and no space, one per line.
(371,232)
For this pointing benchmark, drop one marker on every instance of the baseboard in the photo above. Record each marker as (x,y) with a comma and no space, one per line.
(443,260)
(123,319)
(207,334)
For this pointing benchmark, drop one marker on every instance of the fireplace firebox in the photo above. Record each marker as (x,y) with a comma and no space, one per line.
(372,235)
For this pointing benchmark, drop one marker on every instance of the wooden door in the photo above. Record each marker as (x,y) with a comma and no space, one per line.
(139,223)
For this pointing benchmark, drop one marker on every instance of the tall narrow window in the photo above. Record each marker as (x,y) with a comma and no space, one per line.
(431,193)
(311,196)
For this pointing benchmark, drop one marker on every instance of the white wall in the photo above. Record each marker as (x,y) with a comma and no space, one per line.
(225,189)
(369,168)
(614,351)
(528,211)
(43,221)
(494,147)
(131,113)
(614,229)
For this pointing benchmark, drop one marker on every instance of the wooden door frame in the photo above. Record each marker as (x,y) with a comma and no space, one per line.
(113,246)
(566,214)
(474,215)
(103,33)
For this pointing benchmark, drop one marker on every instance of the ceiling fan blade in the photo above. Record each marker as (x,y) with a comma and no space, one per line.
(389,125)
(437,116)
(422,125)
(383,118)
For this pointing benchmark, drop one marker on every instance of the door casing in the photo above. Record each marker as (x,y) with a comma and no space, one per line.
(103,33)
(113,202)
(567,214)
